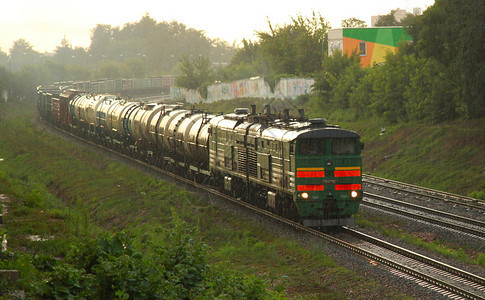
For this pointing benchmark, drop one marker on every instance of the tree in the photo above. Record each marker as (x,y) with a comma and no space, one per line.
(353,23)
(360,98)
(3,58)
(248,54)
(392,80)
(247,62)
(431,95)
(100,41)
(64,52)
(195,74)
(444,33)
(332,67)
(333,84)
(295,49)
(5,82)
(387,20)
(22,53)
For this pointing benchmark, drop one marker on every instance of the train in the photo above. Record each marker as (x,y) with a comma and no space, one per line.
(133,86)
(303,169)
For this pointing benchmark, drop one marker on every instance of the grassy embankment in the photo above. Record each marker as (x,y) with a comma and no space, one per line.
(62,191)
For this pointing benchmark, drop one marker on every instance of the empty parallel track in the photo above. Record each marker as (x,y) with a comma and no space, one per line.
(413,211)
(425,192)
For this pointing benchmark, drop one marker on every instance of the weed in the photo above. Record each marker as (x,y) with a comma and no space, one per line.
(481,260)
(477,195)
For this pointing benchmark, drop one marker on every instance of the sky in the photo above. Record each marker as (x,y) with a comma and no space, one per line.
(45,23)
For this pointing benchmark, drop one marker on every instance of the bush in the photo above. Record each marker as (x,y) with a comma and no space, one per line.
(110,267)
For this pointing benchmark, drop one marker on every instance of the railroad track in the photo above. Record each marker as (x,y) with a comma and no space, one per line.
(441,218)
(425,192)
(440,277)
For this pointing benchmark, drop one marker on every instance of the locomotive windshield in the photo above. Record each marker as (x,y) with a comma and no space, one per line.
(343,146)
(319,146)
(313,146)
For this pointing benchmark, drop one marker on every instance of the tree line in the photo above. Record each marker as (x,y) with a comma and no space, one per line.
(437,77)
(140,49)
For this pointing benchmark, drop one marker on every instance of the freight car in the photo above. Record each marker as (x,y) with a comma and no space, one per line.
(306,170)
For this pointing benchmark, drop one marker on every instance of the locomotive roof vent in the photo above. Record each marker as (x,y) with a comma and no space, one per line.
(267,109)
(253,109)
(301,112)
(286,113)
(241,111)
(318,122)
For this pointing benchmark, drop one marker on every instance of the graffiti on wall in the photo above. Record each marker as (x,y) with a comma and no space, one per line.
(287,88)
(185,95)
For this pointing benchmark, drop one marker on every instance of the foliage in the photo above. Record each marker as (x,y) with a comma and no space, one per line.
(387,20)
(431,94)
(159,46)
(139,49)
(353,23)
(297,48)
(111,267)
(334,83)
(436,78)
(196,73)
(248,61)
(456,43)
(22,53)
(391,82)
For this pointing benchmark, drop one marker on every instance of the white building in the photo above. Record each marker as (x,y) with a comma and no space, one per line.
(399,14)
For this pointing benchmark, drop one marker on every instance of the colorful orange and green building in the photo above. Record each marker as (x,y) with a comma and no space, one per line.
(371,43)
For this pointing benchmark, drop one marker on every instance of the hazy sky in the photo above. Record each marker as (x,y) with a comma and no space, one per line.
(44,23)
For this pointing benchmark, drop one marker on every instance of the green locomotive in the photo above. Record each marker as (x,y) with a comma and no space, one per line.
(306,170)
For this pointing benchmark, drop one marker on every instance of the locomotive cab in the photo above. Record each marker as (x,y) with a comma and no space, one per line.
(328,181)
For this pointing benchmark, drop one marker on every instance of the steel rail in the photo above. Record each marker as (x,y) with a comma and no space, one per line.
(417,256)
(426,192)
(478,233)
(428,210)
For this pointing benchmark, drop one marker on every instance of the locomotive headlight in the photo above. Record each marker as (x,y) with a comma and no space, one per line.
(354,194)
(304,195)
